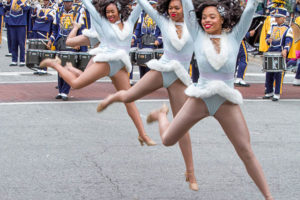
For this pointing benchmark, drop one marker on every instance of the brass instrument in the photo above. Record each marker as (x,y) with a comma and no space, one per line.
(296,31)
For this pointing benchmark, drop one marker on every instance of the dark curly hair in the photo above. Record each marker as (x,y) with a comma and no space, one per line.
(163,7)
(233,11)
(123,7)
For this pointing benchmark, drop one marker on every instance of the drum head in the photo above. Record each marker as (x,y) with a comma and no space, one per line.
(145,51)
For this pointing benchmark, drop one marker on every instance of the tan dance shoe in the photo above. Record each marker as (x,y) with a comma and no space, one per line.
(150,142)
(193,185)
(163,109)
(100,107)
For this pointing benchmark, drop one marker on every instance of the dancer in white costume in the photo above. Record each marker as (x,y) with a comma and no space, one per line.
(114,24)
(171,71)
(216,52)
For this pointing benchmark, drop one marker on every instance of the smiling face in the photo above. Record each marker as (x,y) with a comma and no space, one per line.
(175,10)
(112,13)
(212,21)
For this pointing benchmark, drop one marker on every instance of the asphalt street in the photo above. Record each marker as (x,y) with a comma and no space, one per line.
(56,150)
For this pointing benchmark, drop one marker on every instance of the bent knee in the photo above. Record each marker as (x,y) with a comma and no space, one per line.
(124,97)
(168,141)
(76,86)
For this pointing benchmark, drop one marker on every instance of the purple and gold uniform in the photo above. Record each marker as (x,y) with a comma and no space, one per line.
(43,19)
(17,21)
(281,37)
(146,26)
(62,26)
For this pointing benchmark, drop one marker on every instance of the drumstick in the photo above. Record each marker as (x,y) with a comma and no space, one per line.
(44,43)
(258,26)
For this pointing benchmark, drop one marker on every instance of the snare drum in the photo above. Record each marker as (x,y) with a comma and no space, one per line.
(32,58)
(42,44)
(274,62)
(143,56)
(132,54)
(82,60)
(158,53)
(67,56)
(32,43)
(47,54)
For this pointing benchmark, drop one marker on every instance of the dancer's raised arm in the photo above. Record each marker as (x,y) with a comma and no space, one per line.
(135,14)
(92,10)
(242,27)
(190,18)
(146,6)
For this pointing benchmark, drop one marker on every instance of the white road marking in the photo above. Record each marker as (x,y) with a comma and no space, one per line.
(139,101)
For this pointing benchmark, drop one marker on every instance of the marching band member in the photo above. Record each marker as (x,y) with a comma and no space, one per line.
(171,71)
(62,26)
(242,62)
(84,13)
(43,17)
(216,52)
(280,38)
(146,27)
(114,24)
(17,21)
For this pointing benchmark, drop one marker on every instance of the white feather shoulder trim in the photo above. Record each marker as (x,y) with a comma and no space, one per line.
(124,33)
(216,60)
(104,56)
(213,88)
(173,65)
(175,41)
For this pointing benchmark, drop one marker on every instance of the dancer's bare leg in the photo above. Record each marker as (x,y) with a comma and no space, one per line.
(75,71)
(150,82)
(121,82)
(232,121)
(177,99)
(91,74)
(192,111)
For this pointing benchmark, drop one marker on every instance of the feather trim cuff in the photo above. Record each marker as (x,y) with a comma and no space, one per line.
(173,65)
(213,88)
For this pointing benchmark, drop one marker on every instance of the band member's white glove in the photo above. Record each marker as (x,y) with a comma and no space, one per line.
(37,5)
